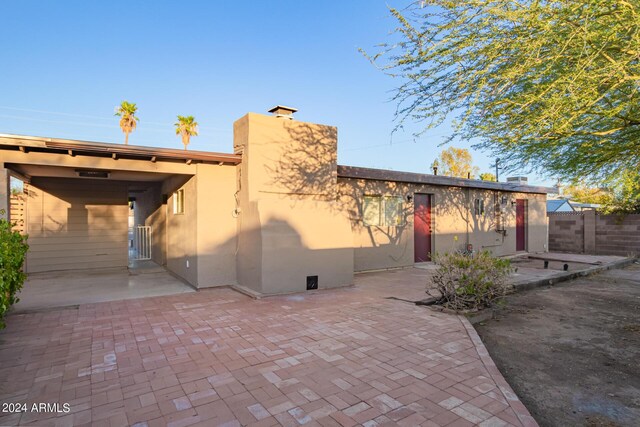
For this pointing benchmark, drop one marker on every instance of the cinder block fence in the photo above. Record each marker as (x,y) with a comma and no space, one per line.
(592,233)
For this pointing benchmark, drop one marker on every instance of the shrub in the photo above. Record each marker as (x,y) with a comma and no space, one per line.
(13,248)
(470,281)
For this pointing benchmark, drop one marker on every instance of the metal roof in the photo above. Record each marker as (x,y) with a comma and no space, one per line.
(554,205)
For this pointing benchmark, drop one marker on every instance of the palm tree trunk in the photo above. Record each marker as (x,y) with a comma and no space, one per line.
(126,138)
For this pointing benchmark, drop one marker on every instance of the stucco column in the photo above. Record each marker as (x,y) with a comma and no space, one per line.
(4,192)
(589,218)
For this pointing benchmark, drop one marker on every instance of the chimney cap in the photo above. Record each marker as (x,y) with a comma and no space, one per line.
(283,110)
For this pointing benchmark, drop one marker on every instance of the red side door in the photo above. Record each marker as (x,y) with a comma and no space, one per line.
(422,227)
(521,207)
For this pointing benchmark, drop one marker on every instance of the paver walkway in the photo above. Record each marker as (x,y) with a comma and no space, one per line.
(216,357)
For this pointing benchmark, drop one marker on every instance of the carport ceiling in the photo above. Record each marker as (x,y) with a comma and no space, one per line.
(71,172)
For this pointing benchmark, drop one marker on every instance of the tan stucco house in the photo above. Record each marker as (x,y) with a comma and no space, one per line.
(277,215)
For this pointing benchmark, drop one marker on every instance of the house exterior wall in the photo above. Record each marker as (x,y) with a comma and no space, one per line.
(290,225)
(204,236)
(146,202)
(76,224)
(157,220)
(150,211)
(282,215)
(182,230)
(216,225)
(454,222)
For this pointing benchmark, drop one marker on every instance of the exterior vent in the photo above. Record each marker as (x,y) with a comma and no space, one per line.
(92,173)
(312,283)
(283,112)
(519,180)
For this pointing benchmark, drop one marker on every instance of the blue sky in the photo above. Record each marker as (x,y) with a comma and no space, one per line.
(67,64)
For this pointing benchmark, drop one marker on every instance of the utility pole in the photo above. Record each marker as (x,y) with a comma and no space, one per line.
(497,169)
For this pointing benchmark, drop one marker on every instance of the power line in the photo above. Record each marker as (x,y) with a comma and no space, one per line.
(74,123)
(29,110)
(391,144)
(8,116)
(54,112)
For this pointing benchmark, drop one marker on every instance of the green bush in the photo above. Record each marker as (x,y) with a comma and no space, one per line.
(13,248)
(470,281)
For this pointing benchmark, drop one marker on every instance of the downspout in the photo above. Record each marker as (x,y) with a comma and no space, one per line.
(468,209)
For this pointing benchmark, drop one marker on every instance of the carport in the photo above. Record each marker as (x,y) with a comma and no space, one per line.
(95,208)
(80,223)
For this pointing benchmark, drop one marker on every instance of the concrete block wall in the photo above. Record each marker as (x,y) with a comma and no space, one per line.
(617,234)
(592,233)
(566,232)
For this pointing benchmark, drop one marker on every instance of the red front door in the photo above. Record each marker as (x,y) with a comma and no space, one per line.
(422,227)
(521,208)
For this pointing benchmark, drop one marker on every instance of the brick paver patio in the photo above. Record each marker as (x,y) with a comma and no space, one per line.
(331,358)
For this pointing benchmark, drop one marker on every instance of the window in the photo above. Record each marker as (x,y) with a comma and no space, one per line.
(178,202)
(371,210)
(378,210)
(393,211)
(478,207)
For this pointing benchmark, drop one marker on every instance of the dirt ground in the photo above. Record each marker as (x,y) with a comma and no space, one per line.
(572,352)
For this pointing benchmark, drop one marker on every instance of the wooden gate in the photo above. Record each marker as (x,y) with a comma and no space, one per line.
(18,212)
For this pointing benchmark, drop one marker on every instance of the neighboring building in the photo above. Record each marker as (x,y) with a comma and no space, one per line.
(559,205)
(276,216)
(568,205)
(577,206)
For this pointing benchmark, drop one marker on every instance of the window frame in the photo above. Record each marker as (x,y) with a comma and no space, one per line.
(178,202)
(365,205)
(398,219)
(383,217)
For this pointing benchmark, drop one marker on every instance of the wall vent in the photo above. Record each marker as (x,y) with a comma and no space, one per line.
(93,173)
(312,283)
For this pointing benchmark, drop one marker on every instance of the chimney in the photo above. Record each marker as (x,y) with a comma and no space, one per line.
(283,112)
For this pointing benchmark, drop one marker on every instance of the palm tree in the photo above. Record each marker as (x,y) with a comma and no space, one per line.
(186,126)
(128,120)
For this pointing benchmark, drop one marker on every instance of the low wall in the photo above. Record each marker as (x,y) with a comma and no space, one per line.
(593,233)
(566,232)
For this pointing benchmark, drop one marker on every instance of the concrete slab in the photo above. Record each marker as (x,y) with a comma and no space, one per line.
(412,283)
(529,278)
(577,258)
(145,266)
(406,284)
(60,289)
